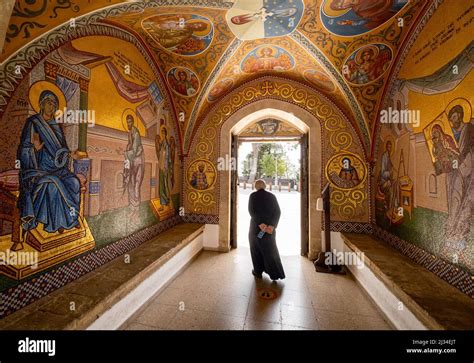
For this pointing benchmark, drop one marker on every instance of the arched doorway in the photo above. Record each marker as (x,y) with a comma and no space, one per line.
(310,130)
(329,133)
(270,148)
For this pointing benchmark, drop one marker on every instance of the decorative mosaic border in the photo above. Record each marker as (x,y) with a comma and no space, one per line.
(201,218)
(453,275)
(370,192)
(351,227)
(258,81)
(29,291)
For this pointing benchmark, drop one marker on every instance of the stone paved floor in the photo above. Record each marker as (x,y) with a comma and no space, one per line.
(217,291)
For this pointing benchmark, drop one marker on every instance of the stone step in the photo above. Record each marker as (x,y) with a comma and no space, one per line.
(434,302)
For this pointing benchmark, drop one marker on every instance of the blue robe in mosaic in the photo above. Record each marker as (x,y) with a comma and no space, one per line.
(49,191)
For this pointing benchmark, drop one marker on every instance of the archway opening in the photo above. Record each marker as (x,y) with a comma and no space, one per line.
(298,124)
(278,162)
(272,145)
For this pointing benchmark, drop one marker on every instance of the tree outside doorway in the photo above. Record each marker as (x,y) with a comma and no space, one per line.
(278,163)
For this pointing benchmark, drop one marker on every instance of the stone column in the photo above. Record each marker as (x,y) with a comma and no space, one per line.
(83,106)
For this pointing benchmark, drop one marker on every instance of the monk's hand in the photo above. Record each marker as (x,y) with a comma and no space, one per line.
(262,226)
(38,145)
(269,229)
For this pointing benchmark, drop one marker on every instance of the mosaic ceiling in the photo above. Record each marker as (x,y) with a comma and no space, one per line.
(204,49)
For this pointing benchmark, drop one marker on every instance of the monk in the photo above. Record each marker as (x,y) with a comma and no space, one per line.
(265,214)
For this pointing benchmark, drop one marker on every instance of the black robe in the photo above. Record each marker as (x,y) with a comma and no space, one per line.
(264,208)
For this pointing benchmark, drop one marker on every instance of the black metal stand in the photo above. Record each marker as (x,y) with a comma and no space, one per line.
(326,261)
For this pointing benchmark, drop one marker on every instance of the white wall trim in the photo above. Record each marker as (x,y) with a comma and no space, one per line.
(211,237)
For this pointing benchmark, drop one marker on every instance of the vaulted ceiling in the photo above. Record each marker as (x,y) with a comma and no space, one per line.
(204,49)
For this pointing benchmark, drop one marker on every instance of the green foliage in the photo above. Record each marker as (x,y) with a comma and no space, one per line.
(246,163)
(270,160)
(267,164)
(273,160)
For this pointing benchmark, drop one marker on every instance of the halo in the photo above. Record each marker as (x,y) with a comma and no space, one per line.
(326,8)
(40,86)
(356,161)
(189,76)
(209,170)
(392,140)
(358,55)
(164,127)
(178,70)
(125,113)
(259,51)
(201,33)
(346,157)
(464,104)
(439,123)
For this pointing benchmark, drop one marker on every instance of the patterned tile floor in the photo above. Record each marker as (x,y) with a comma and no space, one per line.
(218,292)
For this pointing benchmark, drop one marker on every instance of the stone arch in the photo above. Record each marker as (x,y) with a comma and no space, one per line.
(300,119)
(336,136)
